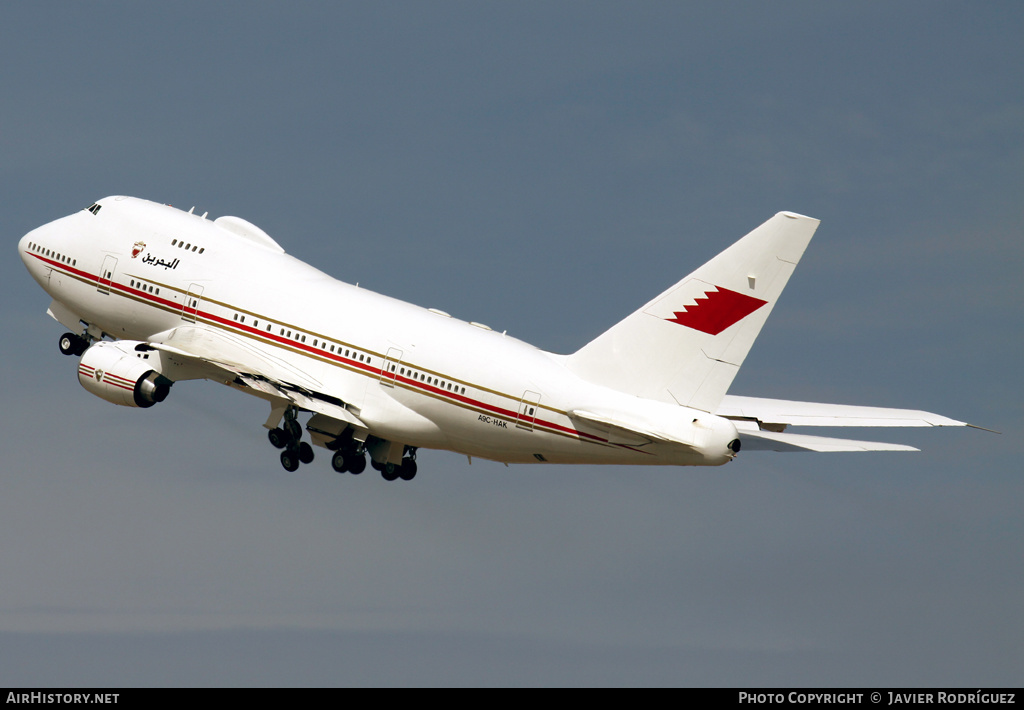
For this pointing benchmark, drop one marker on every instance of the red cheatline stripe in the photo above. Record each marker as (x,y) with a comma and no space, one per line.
(509,414)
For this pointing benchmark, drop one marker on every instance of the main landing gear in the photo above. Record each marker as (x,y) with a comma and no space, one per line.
(350,454)
(351,460)
(392,472)
(289,438)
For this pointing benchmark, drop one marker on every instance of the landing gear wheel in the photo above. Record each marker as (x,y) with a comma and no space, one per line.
(294,429)
(389,472)
(339,462)
(71,344)
(278,438)
(407,472)
(305,452)
(290,460)
(356,465)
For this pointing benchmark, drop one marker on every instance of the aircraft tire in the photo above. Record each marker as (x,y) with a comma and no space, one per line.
(305,452)
(356,465)
(339,463)
(278,438)
(407,472)
(389,472)
(294,429)
(70,344)
(290,460)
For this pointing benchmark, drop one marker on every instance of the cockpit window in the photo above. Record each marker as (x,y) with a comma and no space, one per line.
(95,208)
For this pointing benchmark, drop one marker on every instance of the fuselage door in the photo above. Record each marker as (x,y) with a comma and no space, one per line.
(190,307)
(389,372)
(106,274)
(527,410)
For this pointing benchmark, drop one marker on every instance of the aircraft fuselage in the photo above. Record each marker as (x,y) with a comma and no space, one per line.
(135,270)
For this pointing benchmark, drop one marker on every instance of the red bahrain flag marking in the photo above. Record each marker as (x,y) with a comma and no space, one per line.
(717,310)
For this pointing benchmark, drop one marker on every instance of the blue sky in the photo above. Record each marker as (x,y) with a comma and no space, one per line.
(544,168)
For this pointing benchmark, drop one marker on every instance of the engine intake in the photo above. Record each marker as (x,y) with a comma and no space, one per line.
(120,373)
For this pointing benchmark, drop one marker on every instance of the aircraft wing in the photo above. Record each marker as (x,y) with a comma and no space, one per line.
(222,356)
(230,353)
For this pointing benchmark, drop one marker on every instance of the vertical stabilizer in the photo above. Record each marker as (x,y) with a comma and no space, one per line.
(687,345)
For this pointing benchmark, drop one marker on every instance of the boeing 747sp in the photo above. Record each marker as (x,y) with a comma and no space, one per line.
(152,295)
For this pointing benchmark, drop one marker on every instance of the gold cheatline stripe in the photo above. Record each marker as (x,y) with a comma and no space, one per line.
(149,299)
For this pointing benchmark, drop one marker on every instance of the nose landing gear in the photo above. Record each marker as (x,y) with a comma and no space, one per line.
(71,344)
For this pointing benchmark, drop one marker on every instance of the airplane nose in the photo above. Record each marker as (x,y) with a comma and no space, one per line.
(35,267)
(23,248)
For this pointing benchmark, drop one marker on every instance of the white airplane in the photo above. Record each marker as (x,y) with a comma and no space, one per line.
(153,295)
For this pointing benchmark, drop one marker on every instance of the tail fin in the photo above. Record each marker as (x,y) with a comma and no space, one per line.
(687,345)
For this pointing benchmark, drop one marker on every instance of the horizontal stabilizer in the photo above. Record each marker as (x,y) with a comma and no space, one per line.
(755,440)
(772,413)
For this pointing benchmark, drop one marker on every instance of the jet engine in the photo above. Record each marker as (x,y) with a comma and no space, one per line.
(120,372)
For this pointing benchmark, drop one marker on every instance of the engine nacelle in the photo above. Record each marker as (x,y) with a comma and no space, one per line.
(120,372)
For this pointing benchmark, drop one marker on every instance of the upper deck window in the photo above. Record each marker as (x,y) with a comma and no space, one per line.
(94,208)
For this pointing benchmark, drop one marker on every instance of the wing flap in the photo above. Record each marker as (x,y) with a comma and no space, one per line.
(310,401)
